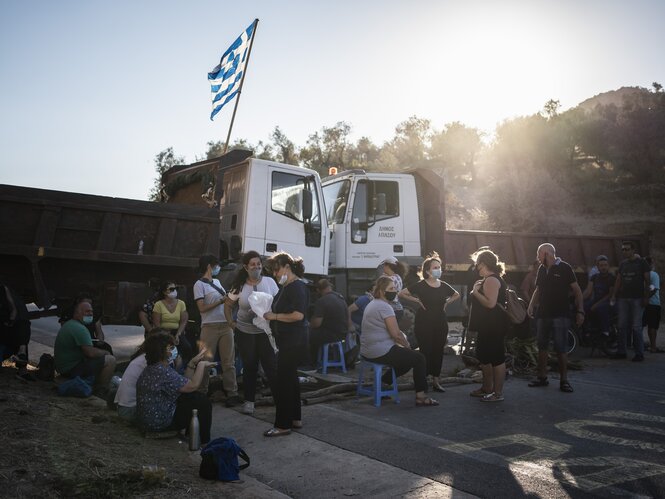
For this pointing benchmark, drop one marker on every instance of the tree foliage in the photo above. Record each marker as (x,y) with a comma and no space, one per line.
(163,161)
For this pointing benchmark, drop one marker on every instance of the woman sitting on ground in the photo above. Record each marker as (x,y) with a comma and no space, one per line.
(382,341)
(164,398)
(125,397)
(170,313)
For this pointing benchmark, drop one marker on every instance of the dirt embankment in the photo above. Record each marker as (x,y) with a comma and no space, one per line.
(63,447)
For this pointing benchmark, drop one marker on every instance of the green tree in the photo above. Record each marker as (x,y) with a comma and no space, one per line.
(286,151)
(163,161)
(410,145)
(456,149)
(327,148)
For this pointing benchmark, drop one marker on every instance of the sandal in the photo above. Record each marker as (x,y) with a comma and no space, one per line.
(426,402)
(565,387)
(275,432)
(492,397)
(479,393)
(539,382)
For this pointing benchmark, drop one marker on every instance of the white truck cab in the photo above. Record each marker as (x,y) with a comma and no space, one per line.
(371,216)
(269,207)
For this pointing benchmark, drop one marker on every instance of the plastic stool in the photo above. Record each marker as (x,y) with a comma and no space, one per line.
(326,362)
(375,390)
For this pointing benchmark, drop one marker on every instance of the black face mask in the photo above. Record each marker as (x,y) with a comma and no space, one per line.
(390,295)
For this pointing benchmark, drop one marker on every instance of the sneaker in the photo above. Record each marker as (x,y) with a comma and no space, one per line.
(248,408)
(492,397)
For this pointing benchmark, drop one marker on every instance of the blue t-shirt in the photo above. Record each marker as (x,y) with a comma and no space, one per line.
(357,315)
(157,391)
(655,282)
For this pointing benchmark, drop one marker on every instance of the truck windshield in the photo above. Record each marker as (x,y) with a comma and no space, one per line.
(336,196)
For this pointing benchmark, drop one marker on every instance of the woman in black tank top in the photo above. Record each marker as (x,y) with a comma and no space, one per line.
(491,323)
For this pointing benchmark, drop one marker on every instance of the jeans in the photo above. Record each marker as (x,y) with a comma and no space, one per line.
(255,348)
(630,321)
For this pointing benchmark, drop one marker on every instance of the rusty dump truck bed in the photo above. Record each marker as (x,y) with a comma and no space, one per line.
(53,241)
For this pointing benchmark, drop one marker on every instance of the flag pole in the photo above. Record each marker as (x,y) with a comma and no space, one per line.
(242,81)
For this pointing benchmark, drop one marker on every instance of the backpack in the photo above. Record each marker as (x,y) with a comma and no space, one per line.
(75,387)
(46,367)
(515,307)
(219,460)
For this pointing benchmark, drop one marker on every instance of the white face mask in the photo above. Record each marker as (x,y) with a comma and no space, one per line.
(174,354)
(173,294)
(282,280)
(436,273)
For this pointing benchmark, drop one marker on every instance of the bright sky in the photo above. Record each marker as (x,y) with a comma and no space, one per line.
(92,90)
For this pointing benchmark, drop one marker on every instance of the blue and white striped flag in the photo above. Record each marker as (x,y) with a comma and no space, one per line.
(226,77)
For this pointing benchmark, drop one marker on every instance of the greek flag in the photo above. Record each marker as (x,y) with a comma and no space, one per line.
(226,77)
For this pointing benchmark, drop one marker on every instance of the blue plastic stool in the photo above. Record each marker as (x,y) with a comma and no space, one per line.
(375,390)
(326,362)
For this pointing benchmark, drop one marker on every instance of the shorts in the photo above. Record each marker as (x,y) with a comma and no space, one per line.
(88,367)
(651,317)
(556,329)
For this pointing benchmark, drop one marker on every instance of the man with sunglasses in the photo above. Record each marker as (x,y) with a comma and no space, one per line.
(632,290)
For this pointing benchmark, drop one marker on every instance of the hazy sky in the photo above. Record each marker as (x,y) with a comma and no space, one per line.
(92,90)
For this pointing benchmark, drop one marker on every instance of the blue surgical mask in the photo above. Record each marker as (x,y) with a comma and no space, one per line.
(436,273)
(87,319)
(216,269)
(174,354)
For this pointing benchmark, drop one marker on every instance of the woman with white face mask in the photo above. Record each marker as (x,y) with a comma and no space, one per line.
(431,295)
(216,330)
(252,342)
(290,328)
(170,313)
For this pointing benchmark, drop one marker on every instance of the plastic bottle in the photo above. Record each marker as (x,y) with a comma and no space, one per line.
(194,439)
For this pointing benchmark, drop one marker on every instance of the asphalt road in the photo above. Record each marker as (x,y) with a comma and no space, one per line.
(607,439)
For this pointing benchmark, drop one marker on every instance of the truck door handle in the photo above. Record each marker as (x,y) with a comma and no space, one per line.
(271,247)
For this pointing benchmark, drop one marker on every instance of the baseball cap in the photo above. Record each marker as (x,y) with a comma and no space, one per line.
(391,260)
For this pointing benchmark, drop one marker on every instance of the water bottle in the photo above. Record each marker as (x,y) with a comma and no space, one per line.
(194,439)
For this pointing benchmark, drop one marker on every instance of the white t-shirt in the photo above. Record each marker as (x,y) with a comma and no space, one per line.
(375,340)
(245,314)
(209,295)
(126,394)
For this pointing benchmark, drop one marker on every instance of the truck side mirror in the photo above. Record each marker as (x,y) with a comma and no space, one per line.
(307,204)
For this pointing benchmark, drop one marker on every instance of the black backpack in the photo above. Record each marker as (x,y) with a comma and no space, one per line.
(46,367)
(219,460)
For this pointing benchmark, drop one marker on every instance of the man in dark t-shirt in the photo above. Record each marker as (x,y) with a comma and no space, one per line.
(554,283)
(632,290)
(330,321)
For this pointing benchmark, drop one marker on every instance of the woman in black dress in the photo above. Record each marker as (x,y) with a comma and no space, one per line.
(431,295)
(491,322)
(290,328)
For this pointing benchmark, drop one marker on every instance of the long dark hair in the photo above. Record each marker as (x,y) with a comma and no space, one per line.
(242,275)
(206,260)
(283,258)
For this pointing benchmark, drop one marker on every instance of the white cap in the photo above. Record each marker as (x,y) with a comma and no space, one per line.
(391,259)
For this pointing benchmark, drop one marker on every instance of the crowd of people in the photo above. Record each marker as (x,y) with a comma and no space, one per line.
(169,375)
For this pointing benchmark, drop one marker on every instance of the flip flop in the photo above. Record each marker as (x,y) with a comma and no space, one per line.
(276,432)
(426,402)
